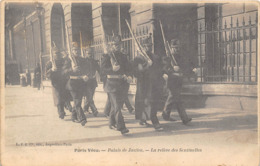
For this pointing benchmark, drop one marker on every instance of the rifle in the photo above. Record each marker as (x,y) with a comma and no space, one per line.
(113,57)
(81,48)
(167,47)
(139,47)
(72,58)
(172,56)
(51,57)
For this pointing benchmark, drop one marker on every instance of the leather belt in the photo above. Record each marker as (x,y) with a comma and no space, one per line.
(76,77)
(80,77)
(116,76)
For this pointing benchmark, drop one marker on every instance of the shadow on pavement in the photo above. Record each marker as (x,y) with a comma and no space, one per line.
(248,122)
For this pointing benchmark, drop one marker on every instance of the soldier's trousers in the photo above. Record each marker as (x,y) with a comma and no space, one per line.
(154,102)
(89,102)
(68,106)
(59,100)
(153,113)
(107,106)
(126,101)
(174,100)
(77,111)
(115,116)
(61,111)
(128,104)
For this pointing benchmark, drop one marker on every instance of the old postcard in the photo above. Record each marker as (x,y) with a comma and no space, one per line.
(129,83)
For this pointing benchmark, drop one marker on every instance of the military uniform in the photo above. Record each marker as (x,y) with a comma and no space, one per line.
(58,81)
(174,85)
(76,84)
(115,86)
(149,89)
(91,84)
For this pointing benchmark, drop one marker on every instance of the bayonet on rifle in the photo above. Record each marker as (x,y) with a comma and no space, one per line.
(72,58)
(113,57)
(139,47)
(167,47)
(81,47)
(172,56)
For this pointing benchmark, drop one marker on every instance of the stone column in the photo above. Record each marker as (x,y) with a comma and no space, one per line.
(40,12)
(201,42)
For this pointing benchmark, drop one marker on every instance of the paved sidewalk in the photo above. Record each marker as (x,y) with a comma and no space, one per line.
(217,136)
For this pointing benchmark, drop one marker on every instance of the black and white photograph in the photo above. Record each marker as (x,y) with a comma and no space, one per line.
(122,83)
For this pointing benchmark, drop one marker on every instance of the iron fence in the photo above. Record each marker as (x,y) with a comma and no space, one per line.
(228,53)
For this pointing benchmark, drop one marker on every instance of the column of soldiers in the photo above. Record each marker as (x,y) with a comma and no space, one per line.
(73,79)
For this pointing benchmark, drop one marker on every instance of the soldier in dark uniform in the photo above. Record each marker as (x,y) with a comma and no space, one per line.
(91,84)
(149,86)
(58,81)
(37,76)
(117,69)
(174,84)
(127,103)
(76,71)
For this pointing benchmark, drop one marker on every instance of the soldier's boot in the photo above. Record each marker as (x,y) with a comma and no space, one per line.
(74,115)
(158,127)
(61,111)
(143,122)
(68,106)
(166,115)
(124,131)
(182,113)
(86,108)
(81,118)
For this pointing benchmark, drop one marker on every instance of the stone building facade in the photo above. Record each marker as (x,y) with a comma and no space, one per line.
(219,40)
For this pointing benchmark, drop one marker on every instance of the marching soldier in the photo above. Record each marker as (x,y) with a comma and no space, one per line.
(149,89)
(117,69)
(76,70)
(58,81)
(174,84)
(91,84)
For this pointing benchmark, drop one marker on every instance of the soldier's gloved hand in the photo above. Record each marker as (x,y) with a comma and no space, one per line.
(165,77)
(125,77)
(176,68)
(85,78)
(116,67)
(54,69)
(129,79)
(75,69)
(149,63)
(140,67)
